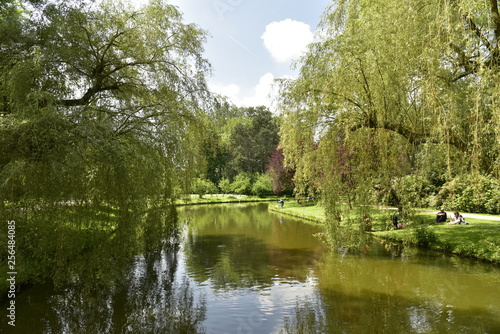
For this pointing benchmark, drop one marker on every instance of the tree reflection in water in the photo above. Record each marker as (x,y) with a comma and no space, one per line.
(235,272)
(342,313)
(361,294)
(123,283)
(150,302)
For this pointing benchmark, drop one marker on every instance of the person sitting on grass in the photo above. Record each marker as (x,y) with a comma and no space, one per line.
(394,219)
(456,218)
(441,216)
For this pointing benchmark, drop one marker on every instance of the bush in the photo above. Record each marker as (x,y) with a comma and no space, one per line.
(413,191)
(471,194)
(242,184)
(263,185)
(204,186)
(425,237)
(225,186)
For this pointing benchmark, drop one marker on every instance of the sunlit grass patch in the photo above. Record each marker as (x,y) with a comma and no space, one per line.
(480,239)
(221,198)
(312,212)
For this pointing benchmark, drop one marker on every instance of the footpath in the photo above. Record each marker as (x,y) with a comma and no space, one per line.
(468,215)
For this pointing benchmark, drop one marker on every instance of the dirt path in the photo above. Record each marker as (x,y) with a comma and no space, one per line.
(485,217)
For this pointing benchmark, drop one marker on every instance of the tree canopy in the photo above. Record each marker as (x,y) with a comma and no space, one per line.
(241,140)
(101,112)
(392,90)
(99,101)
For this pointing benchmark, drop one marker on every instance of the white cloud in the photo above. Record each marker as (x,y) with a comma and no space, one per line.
(231,91)
(287,39)
(262,94)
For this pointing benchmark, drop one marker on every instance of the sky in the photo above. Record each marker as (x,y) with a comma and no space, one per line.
(252,42)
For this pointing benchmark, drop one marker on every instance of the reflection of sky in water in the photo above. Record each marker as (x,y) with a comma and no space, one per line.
(253,310)
(256,309)
(418,320)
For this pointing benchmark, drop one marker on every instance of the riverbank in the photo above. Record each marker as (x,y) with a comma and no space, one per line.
(480,239)
(312,213)
(221,199)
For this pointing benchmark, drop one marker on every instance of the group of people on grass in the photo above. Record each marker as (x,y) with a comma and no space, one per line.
(441,217)
(455,219)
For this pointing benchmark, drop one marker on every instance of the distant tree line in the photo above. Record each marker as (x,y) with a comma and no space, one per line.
(241,154)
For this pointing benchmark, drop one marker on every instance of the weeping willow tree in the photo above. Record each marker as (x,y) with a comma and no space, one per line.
(100,114)
(396,97)
(102,103)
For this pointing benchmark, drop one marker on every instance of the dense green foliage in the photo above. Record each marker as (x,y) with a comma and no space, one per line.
(471,195)
(237,150)
(242,140)
(396,99)
(101,111)
(99,101)
(243,184)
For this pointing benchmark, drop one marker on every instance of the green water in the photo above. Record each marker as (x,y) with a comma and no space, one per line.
(240,269)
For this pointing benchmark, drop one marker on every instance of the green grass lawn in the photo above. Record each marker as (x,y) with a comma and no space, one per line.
(221,198)
(310,212)
(480,239)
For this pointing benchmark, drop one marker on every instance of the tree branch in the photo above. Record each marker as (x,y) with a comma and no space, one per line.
(414,138)
(496,19)
(85,99)
(478,32)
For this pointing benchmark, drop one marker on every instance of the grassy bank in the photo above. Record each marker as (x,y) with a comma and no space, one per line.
(221,198)
(313,213)
(480,239)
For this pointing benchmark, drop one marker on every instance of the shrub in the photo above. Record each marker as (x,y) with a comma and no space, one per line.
(471,194)
(414,190)
(263,185)
(242,184)
(424,236)
(225,186)
(204,186)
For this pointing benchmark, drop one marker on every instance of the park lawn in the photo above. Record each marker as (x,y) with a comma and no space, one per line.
(221,198)
(313,213)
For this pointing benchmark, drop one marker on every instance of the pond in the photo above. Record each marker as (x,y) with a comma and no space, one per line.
(242,269)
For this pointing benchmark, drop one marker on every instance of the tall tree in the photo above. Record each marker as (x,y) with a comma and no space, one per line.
(100,101)
(100,115)
(250,140)
(390,84)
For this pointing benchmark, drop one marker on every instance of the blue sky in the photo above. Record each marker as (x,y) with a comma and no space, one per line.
(251,42)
